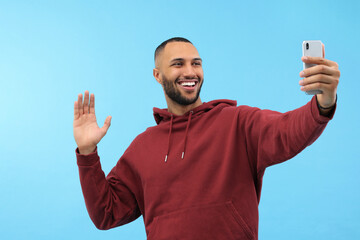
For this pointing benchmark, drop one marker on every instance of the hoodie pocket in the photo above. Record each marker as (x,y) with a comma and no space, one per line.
(213,221)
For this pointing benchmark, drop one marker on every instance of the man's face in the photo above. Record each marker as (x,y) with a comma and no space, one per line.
(180,72)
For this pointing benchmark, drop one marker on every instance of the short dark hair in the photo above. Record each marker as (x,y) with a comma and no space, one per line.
(163,44)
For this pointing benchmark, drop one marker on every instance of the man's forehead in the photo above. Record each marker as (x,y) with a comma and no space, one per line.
(179,50)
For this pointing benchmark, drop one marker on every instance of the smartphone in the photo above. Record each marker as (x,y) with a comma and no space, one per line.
(312,48)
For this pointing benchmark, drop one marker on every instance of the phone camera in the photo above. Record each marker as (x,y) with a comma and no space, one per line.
(307,46)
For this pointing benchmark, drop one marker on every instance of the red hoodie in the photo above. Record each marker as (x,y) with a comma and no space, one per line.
(197,176)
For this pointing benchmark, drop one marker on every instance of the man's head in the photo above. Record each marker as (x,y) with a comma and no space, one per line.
(161,47)
(178,68)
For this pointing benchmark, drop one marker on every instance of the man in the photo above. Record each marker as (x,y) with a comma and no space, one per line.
(198,173)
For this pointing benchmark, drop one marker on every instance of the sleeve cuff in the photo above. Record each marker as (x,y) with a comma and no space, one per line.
(88,159)
(316,112)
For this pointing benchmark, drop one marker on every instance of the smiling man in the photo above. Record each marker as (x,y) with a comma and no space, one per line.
(198,173)
(179,70)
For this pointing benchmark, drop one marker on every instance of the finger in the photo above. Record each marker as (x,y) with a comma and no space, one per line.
(80,106)
(106,125)
(76,110)
(320,69)
(319,61)
(92,103)
(86,102)
(323,50)
(316,86)
(318,78)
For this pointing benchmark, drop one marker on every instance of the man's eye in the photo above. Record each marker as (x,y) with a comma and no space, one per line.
(177,64)
(197,63)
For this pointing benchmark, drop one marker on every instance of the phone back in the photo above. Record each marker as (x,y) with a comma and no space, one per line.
(312,48)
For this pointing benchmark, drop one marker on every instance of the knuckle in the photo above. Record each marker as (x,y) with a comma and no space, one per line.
(318,77)
(337,72)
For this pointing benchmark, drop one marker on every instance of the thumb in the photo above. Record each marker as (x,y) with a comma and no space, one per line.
(323,50)
(106,125)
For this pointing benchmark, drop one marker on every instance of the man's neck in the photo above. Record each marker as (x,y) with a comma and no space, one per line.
(180,110)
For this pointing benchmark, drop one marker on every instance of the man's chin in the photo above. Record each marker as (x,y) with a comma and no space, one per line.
(179,96)
(184,101)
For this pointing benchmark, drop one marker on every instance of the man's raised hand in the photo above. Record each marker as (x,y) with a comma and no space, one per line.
(87,133)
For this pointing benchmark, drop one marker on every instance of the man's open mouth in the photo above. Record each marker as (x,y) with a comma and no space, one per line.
(188,84)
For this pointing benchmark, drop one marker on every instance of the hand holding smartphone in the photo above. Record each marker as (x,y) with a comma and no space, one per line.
(312,48)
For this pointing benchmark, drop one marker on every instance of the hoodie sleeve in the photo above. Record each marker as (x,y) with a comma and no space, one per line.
(110,200)
(273,137)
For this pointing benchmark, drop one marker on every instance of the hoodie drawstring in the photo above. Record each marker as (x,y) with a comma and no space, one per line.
(186,133)
(185,138)
(168,148)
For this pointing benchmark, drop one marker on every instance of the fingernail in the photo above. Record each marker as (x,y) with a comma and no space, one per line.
(305,58)
(301,82)
(302,88)
(302,74)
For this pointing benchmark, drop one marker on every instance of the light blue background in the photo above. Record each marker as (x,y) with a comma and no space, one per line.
(52,50)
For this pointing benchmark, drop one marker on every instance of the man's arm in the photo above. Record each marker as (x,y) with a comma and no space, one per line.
(109,201)
(274,137)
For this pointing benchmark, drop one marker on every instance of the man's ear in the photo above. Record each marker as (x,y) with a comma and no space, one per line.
(156,74)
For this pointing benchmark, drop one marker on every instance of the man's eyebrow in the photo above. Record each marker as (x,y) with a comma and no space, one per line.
(181,59)
(177,59)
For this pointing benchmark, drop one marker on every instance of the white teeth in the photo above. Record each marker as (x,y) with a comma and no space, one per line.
(188,84)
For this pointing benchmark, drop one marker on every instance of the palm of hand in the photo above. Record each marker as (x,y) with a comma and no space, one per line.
(87,133)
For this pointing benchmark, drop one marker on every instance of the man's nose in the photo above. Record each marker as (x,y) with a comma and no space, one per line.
(189,71)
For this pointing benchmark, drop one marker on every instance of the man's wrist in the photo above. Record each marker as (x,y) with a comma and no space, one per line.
(86,151)
(326,111)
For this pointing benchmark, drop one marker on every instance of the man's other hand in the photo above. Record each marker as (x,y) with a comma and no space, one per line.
(324,76)
(87,133)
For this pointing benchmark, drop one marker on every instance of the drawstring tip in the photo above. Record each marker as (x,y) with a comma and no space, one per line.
(165,158)
(182,156)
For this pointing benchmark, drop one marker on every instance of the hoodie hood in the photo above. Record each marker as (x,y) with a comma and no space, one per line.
(163,115)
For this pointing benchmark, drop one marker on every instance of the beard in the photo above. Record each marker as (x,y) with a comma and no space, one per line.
(174,94)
